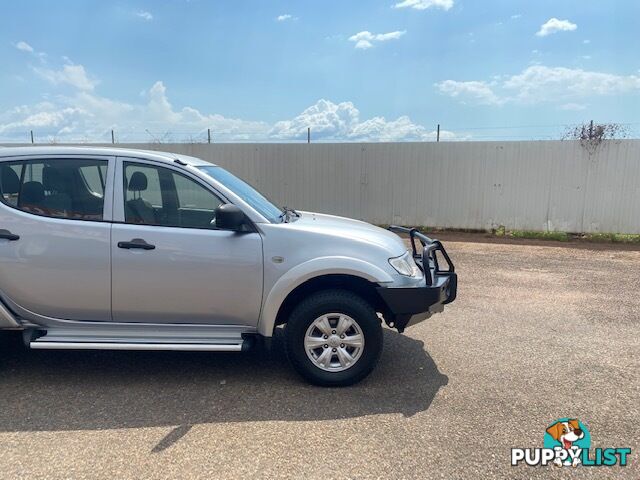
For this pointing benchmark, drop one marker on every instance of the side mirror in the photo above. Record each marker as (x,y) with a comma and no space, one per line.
(229,217)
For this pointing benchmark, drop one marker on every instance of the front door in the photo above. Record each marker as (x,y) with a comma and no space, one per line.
(55,237)
(170,263)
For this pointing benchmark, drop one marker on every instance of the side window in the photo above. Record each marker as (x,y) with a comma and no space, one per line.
(162,197)
(10,183)
(192,196)
(94,177)
(54,187)
(142,181)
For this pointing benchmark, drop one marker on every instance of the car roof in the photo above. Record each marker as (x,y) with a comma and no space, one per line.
(166,157)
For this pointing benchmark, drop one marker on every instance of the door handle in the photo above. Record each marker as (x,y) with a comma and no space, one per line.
(6,234)
(136,243)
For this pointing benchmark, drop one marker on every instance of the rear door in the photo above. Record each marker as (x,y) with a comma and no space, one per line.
(170,263)
(55,236)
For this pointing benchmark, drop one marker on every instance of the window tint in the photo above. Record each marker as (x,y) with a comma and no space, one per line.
(10,183)
(94,178)
(163,197)
(55,188)
(245,191)
(152,192)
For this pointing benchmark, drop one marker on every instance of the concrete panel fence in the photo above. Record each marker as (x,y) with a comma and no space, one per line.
(540,185)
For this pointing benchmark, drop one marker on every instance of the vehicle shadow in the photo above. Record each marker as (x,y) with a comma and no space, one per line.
(76,390)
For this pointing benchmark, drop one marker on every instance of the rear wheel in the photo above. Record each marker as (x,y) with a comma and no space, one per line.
(333,338)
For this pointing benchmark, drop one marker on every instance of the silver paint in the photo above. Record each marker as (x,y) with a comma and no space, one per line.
(64,273)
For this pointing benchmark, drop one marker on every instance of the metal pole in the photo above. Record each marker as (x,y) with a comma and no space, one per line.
(113,137)
(308,134)
(208,135)
(438,134)
(31,136)
(591,129)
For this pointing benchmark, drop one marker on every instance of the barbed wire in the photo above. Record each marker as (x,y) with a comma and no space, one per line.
(448,134)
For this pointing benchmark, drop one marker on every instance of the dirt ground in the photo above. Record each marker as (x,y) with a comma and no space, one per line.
(540,330)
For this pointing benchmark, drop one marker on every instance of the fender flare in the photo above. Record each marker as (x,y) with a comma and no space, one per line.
(308,270)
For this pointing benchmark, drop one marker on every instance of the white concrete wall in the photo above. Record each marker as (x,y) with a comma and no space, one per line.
(541,185)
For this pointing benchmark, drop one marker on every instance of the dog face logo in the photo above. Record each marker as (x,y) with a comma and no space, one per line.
(567,434)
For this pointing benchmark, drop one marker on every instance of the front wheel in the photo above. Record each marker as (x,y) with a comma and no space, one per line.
(333,338)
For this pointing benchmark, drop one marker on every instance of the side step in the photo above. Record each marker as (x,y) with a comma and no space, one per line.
(186,347)
(196,338)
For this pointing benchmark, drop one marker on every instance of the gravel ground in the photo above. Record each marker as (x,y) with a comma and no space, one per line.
(539,331)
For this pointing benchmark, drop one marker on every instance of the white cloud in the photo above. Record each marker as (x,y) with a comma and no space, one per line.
(325,118)
(377,129)
(363,44)
(283,17)
(476,91)
(424,4)
(341,121)
(146,16)
(160,115)
(70,74)
(84,116)
(516,16)
(364,40)
(43,115)
(586,42)
(541,84)
(383,37)
(554,25)
(24,46)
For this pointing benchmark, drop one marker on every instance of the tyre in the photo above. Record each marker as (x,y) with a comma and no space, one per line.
(333,338)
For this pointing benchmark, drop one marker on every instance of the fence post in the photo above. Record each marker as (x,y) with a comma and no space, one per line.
(113,137)
(31,136)
(308,134)
(438,134)
(208,135)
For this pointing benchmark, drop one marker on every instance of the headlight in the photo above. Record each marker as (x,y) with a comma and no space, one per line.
(406,265)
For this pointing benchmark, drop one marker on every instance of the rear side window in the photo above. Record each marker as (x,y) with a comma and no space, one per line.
(60,188)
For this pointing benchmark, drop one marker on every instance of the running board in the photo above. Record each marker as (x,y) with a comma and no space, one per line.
(185,347)
(191,338)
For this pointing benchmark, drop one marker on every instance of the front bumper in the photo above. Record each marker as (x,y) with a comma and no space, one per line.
(410,305)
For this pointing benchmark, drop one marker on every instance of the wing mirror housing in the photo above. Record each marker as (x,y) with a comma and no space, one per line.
(230,217)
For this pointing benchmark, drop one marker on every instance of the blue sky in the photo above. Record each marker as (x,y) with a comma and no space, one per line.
(350,70)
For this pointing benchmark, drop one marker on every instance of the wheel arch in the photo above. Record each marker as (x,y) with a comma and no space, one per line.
(304,280)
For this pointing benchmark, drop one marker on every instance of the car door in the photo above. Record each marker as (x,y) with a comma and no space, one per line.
(169,262)
(55,236)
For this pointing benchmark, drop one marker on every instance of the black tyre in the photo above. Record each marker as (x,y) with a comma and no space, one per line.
(333,338)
